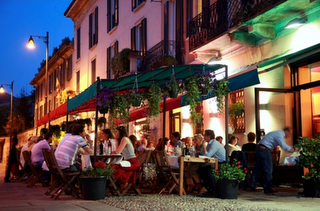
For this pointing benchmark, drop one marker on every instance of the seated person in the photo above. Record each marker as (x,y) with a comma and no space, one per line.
(199,145)
(125,174)
(214,149)
(143,144)
(233,145)
(150,146)
(251,146)
(220,139)
(68,150)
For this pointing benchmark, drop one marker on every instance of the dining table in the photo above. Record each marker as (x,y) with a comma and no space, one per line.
(188,159)
(108,159)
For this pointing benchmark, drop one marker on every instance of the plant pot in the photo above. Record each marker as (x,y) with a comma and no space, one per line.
(93,188)
(203,91)
(103,110)
(311,188)
(173,93)
(238,113)
(136,102)
(227,188)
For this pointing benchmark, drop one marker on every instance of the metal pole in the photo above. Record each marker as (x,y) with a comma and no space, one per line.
(96,124)
(164,121)
(226,116)
(46,76)
(11,116)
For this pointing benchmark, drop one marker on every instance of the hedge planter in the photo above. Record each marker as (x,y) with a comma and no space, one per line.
(93,188)
(227,188)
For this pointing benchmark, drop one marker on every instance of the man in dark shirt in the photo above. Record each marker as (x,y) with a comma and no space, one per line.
(251,146)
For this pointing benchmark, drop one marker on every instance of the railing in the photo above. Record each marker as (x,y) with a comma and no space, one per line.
(155,54)
(223,16)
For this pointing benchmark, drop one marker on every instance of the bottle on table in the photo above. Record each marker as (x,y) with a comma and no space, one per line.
(109,147)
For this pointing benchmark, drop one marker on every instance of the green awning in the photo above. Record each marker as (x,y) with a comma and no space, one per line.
(161,76)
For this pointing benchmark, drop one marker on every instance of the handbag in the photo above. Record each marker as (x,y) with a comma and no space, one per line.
(148,171)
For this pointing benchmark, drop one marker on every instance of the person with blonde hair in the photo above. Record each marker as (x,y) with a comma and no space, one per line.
(27,147)
(199,145)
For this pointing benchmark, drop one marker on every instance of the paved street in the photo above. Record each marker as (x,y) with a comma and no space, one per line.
(16,196)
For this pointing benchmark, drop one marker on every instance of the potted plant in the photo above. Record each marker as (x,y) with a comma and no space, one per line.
(309,158)
(93,181)
(236,109)
(192,96)
(134,97)
(220,92)
(120,63)
(104,99)
(153,95)
(227,179)
(118,110)
(173,87)
(163,61)
(206,82)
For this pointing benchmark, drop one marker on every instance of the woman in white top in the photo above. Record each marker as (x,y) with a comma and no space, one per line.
(233,145)
(125,174)
(107,135)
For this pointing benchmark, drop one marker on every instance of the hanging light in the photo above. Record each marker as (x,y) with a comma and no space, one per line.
(30,43)
(295,23)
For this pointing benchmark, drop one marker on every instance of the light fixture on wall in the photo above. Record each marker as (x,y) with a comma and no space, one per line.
(185,121)
(213,115)
(295,23)
(264,106)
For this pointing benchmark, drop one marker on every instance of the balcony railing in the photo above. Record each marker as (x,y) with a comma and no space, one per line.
(164,48)
(223,16)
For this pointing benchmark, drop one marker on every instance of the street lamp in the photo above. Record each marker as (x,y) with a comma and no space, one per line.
(11,105)
(31,46)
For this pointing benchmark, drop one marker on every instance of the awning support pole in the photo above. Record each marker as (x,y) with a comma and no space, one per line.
(96,124)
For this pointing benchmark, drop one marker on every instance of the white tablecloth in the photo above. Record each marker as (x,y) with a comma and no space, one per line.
(173,161)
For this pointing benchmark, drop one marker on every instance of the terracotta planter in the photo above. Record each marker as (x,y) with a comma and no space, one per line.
(93,188)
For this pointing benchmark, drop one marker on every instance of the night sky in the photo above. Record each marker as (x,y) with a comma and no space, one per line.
(18,20)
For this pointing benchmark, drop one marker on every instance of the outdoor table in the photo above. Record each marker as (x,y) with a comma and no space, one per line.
(173,161)
(188,159)
(109,159)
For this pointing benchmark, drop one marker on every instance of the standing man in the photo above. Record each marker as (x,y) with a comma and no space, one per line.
(264,158)
(215,150)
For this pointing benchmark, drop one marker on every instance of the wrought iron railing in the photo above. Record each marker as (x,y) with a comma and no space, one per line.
(223,16)
(155,54)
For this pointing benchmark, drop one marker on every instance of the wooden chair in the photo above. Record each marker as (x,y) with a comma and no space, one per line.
(65,178)
(24,173)
(36,174)
(275,157)
(251,159)
(170,175)
(145,157)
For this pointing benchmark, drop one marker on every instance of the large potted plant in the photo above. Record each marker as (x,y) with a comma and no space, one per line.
(309,158)
(120,63)
(93,181)
(104,99)
(192,96)
(228,178)
(118,110)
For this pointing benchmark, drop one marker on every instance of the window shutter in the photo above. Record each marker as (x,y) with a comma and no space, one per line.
(144,36)
(90,30)
(116,12)
(116,48)
(133,38)
(108,16)
(96,26)
(108,62)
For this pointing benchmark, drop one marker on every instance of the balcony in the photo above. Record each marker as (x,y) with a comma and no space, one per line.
(155,54)
(223,17)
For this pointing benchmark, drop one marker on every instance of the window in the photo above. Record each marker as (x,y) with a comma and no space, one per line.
(93,28)
(50,83)
(69,68)
(78,43)
(111,51)
(238,120)
(112,14)
(189,15)
(78,82)
(62,75)
(136,3)
(93,71)
(139,37)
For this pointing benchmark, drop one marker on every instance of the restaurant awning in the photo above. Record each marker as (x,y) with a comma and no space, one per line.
(54,114)
(159,76)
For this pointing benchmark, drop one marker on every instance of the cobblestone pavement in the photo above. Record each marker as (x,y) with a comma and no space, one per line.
(16,196)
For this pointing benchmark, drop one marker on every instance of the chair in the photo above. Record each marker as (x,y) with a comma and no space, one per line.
(36,174)
(171,176)
(65,178)
(251,160)
(145,158)
(25,174)
(275,157)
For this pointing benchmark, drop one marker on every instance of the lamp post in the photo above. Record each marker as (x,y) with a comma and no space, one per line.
(11,105)
(31,45)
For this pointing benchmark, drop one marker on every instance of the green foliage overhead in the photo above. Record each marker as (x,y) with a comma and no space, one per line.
(120,63)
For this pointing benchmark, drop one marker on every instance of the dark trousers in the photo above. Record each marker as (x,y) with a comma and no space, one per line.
(263,160)
(8,171)
(205,173)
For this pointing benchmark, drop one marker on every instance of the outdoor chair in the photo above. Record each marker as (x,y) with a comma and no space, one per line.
(65,178)
(170,175)
(23,173)
(36,174)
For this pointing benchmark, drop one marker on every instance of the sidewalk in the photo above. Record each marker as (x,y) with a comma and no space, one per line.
(16,196)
